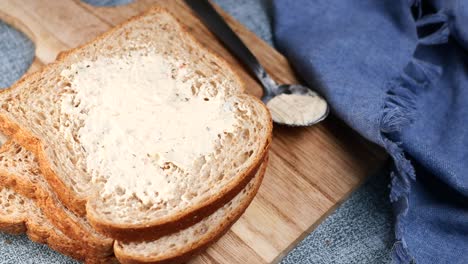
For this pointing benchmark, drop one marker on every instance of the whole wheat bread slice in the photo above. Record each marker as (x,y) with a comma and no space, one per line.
(19,215)
(176,247)
(56,114)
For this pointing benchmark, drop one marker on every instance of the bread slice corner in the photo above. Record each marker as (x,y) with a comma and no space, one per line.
(20,175)
(19,215)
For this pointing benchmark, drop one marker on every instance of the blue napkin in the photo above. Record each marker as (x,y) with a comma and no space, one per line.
(397,72)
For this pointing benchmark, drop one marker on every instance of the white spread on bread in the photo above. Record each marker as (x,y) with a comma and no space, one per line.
(296,109)
(155,119)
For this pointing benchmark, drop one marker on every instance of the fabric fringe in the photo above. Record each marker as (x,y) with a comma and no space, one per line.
(401,95)
(401,254)
(398,110)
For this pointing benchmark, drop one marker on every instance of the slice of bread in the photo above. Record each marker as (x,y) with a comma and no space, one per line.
(19,169)
(143,130)
(19,215)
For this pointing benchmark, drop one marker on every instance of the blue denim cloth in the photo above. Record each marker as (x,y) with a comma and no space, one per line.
(397,72)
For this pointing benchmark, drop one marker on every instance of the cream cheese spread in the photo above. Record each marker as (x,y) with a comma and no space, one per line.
(296,109)
(138,115)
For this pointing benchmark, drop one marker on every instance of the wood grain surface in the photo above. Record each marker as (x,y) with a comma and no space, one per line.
(312,170)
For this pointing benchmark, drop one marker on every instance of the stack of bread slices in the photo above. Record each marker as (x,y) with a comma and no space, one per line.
(138,147)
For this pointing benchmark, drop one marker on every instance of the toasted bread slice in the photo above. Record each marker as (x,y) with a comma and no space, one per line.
(143,130)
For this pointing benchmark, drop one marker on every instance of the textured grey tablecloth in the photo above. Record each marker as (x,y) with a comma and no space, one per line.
(359,231)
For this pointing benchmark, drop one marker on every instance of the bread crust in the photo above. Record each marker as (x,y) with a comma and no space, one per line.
(53,210)
(58,242)
(33,144)
(185,254)
(55,241)
(12,226)
(126,232)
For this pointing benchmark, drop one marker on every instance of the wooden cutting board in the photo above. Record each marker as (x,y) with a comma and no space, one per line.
(311,171)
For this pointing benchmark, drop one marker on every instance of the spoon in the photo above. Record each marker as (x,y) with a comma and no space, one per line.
(289,104)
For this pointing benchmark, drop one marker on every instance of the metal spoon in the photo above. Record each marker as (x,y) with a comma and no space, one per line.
(289,104)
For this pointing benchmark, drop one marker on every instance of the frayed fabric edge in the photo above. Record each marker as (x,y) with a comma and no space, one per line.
(398,110)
